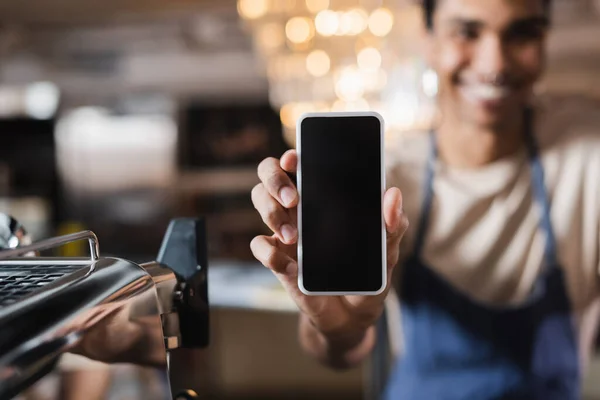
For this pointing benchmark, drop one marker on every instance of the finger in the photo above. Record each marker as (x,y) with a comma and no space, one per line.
(268,250)
(289,161)
(396,224)
(274,215)
(393,244)
(277,182)
(265,250)
(392,212)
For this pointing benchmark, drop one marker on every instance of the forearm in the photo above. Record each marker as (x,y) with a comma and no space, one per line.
(339,351)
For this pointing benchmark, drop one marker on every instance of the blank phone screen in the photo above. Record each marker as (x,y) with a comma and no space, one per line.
(341,210)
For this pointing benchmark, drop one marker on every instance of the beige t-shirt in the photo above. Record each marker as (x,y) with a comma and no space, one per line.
(484,235)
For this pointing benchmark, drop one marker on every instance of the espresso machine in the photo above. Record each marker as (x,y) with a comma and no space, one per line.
(77,321)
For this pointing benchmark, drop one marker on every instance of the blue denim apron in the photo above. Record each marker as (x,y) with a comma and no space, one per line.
(459,349)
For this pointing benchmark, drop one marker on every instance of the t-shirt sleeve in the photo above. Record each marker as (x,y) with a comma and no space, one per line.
(581,117)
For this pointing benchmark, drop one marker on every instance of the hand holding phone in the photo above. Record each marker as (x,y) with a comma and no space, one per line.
(276,199)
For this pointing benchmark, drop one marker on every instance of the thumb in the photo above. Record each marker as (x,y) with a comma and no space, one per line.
(396,224)
(395,221)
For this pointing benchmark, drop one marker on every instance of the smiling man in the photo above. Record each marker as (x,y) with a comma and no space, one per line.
(497,276)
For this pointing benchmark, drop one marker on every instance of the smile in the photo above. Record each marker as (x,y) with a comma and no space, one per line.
(478,93)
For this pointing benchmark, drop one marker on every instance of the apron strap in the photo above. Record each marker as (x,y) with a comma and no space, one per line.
(538,184)
(540,193)
(423,223)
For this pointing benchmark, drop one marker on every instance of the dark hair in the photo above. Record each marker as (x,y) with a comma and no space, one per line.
(429,8)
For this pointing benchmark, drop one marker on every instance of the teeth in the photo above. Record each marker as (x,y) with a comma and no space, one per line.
(486,92)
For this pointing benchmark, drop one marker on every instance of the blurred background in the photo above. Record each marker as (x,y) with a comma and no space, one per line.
(118,115)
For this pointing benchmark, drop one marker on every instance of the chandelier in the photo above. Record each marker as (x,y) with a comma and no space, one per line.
(343,55)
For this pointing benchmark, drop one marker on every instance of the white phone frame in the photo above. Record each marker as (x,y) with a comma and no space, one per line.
(299,188)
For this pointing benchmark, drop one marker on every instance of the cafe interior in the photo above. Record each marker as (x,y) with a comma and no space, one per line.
(117,116)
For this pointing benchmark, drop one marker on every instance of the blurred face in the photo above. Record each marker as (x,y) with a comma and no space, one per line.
(488,55)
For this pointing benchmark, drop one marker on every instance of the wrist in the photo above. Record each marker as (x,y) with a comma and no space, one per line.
(344,338)
(340,348)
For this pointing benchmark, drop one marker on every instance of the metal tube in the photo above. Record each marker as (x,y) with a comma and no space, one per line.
(55,242)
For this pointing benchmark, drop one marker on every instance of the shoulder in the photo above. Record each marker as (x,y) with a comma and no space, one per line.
(568,131)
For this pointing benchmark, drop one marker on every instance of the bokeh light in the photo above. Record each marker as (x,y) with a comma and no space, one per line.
(327,23)
(314,6)
(318,63)
(253,9)
(369,59)
(299,30)
(381,22)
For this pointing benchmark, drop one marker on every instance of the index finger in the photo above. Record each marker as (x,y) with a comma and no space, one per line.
(289,161)
(277,182)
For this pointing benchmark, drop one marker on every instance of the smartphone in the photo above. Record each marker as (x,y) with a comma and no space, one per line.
(341,183)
